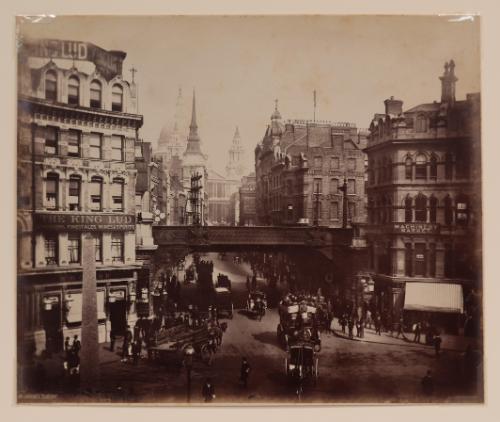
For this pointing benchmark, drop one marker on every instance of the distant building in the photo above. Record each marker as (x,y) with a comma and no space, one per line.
(247,212)
(424,203)
(78,127)
(219,192)
(235,168)
(300,166)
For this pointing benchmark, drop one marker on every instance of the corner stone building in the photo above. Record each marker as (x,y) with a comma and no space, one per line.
(299,168)
(76,175)
(424,205)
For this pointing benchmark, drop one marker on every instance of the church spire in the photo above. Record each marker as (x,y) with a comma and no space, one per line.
(193,127)
(193,140)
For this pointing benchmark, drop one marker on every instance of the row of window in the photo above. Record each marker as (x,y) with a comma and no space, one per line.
(52,201)
(420,168)
(321,210)
(75,248)
(334,163)
(420,260)
(335,186)
(422,209)
(74,92)
(74,139)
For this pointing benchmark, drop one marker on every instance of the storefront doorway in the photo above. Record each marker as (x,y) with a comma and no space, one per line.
(118,312)
(52,324)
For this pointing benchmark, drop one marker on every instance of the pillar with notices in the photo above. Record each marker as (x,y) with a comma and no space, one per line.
(89,355)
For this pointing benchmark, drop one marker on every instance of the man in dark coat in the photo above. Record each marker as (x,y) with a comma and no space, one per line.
(350,325)
(437,344)
(244,372)
(417,330)
(208,391)
(254,282)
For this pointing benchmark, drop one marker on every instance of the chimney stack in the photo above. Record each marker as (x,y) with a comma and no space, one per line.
(393,107)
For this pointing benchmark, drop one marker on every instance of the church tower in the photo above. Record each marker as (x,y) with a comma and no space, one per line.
(235,168)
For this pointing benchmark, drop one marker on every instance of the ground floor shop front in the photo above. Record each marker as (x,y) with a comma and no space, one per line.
(50,307)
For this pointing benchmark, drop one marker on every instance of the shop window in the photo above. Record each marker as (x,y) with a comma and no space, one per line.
(334,186)
(74,248)
(334,163)
(51,140)
(117,98)
(96,94)
(117,188)
(420,260)
(74,193)
(117,147)
(96,145)
(448,166)
(96,193)
(98,246)
(433,167)
(74,140)
(408,210)
(352,210)
(432,260)
(334,211)
(408,168)
(52,191)
(73,91)
(448,211)
(351,186)
(408,260)
(421,124)
(117,245)
(51,249)
(51,86)
(421,167)
(318,185)
(462,211)
(448,260)
(421,208)
(432,209)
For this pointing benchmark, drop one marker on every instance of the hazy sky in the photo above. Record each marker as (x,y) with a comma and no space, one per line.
(240,65)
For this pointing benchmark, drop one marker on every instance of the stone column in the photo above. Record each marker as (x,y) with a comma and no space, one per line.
(89,360)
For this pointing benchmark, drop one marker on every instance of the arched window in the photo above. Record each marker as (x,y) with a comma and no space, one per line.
(117,194)
(51,86)
(433,167)
(75,184)
(408,168)
(448,166)
(462,210)
(52,191)
(117,98)
(421,123)
(421,167)
(432,209)
(448,211)
(73,91)
(408,210)
(421,208)
(96,193)
(95,94)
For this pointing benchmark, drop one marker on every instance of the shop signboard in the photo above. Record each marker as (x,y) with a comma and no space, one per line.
(415,228)
(83,222)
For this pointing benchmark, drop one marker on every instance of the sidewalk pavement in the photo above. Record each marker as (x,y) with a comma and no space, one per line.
(449,342)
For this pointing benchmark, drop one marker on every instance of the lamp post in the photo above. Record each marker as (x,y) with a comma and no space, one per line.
(188,363)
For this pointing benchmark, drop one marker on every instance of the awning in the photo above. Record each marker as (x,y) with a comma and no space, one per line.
(434,297)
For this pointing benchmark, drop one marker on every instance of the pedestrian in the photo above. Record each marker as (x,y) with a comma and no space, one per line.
(343,322)
(428,384)
(254,282)
(362,328)
(368,320)
(136,351)
(358,327)
(208,391)
(378,325)
(112,340)
(244,372)
(437,344)
(248,282)
(400,328)
(350,325)
(127,340)
(76,346)
(417,328)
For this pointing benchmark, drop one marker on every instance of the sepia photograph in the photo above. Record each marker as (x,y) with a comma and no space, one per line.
(249,210)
